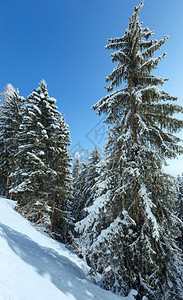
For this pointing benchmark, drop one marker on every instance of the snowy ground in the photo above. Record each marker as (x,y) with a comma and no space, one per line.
(35,267)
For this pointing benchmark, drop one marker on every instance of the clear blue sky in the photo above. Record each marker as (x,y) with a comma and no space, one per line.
(63,42)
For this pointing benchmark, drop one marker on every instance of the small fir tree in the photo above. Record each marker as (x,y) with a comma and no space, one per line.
(76,171)
(76,168)
(92,176)
(79,191)
(84,184)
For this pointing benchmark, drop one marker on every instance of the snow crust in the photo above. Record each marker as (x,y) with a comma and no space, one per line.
(34,266)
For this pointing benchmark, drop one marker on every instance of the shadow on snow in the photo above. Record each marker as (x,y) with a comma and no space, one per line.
(64,274)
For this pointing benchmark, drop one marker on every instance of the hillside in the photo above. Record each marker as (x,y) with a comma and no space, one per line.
(34,266)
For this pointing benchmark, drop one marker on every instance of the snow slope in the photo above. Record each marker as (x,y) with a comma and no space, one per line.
(34,266)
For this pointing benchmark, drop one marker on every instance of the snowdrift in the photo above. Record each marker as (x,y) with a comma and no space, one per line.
(34,266)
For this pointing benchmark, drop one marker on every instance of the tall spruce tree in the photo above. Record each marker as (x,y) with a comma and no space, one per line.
(42,164)
(11,110)
(130,230)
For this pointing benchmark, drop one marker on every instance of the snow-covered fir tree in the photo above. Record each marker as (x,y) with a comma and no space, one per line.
(92,175)
(79,190)
(42,165)
(85,175)
(179,208)
(11,109)
(76,170)
(129,234)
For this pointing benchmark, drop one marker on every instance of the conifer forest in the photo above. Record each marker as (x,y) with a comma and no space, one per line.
(118,211)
